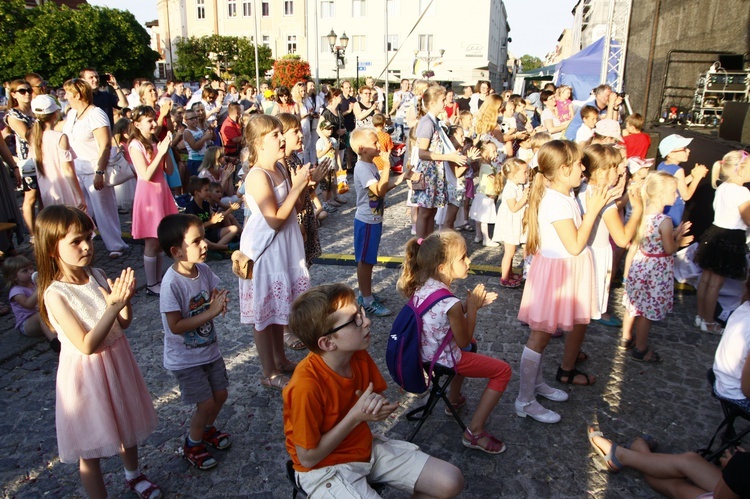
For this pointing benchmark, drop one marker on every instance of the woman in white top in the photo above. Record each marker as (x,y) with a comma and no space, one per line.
(87,127)
(550,121)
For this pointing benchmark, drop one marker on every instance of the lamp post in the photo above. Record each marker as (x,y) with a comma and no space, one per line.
(428,59)
(338,51)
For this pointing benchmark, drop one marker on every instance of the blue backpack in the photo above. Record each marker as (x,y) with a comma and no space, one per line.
(403,354)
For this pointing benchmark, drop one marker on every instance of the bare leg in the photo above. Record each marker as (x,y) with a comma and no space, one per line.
(264,343)
(627,326)
(277,344)
(35,327)
(364,279)
(92,479)
(507,262)
(425,221)
(642,330)
(129,457)
(450,216)
(701,292)
(573,342)
(29,203)
(439,479)
(454,395)
(487,402)
(711,296)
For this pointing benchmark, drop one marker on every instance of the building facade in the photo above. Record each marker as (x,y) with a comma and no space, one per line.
(410,37)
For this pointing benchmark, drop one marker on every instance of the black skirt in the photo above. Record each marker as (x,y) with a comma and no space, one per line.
(723,252)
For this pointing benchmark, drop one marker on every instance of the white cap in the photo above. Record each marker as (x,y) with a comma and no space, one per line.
(44,104)
(608,128)
(635,163)
(672,142)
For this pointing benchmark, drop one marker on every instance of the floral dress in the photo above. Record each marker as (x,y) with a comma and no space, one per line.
(435,193)
(649,291)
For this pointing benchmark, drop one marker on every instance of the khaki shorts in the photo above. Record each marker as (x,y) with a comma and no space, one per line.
(394,462)
(197,384)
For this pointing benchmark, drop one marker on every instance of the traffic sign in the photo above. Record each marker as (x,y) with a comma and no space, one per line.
(362,68)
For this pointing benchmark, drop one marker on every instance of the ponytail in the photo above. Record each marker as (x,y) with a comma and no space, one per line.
(423,258)
(407,284)
(36,142)
(715,172)
(531,218)
(728,167)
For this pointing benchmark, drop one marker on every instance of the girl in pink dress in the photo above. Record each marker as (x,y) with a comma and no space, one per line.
(103,406)
(153,199)
(560,291)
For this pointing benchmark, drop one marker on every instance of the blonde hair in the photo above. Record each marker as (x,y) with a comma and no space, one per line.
(53,223)
(600,157)
(488,113)
(485,147)
(258,126)
(551,157)
(539,139)
(359,135)
(37,133)
(729,167)
(418,89)
(652,191)
(142,89)
(80,88)
(424,258)
(510,166)
(211,158)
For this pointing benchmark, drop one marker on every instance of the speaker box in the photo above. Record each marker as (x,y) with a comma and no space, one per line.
(735,122)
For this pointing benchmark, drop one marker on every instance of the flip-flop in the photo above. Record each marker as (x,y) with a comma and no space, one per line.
(609,459)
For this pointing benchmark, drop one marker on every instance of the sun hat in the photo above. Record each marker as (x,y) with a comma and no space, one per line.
(44,104)
(608,128)
(672,142)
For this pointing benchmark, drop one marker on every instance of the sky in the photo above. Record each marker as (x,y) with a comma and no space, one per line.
(535,25)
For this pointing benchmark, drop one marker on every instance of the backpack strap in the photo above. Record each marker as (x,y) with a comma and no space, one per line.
(427,304)
(432,299)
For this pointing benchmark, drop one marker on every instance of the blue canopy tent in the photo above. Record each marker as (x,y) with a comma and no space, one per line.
(583,70)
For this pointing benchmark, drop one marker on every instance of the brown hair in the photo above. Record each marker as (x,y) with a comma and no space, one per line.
(289,121)
(312,312)
(13,265)
(81,88)
(551,157)
(600,157)
(53,223)
(172,229)
(136,134)
(378,120)
(12,102)
(635,120)
(196,183)
(257,127)
(510,166)
(423,259)
(587,111)
(539,139)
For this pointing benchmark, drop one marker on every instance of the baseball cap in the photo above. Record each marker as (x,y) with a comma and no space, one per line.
(672,142)
(326,124)
(44,104)
(608,128)
(636,163)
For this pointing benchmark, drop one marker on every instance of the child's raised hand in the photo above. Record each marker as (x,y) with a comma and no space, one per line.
(457,158)
(473,154)
(219,300)
(598,197)
(371,406)
(216,218)
(479,297)
(164,144)
(301,177)
(234,206)
(699,171)
(121,290)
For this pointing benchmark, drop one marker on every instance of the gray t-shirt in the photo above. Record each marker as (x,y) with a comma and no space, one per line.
(369,206)
(190,297)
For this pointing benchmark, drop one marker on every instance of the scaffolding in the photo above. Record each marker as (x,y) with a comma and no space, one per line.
(616,43)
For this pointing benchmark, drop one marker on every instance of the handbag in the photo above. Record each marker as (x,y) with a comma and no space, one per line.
(242,265)
(26,166)
(119,170)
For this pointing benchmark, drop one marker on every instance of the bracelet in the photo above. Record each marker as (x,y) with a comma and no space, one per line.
(99,172)
(116,88)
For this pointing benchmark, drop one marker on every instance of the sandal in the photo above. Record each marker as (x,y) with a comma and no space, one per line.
(626,344)
(198,456)
(639,356)
(277,381)
(609,459)
(113,255)
(151,492)
(571,377)
(456,407)
(581,357)
(288,367)
(712,328)
(294,344)
(492,446)
(650,441)
(216,439)
(509,283)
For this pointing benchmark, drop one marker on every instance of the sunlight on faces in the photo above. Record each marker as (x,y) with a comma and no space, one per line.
(293,139)
(146,125)
(76,249)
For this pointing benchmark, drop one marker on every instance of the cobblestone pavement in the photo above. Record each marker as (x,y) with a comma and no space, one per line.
(670,401)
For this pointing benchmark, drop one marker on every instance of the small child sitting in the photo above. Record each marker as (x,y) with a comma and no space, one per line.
(219,205)
(637,143)
(334,392)
(589,115)
(217,237)
(189,301)
(371,187)
(384,138)
(537,141)
(18,271)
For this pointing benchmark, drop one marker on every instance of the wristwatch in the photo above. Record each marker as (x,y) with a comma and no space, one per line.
(99,172)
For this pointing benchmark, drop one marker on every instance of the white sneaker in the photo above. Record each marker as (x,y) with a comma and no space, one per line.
(552,394)
(547,416)
(490,244)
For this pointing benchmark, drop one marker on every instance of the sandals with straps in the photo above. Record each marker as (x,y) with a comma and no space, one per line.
(640,356)
(609,459)
(571,376)
(151,492)
(198,456)
(492,446)
(216,438)
(277,381)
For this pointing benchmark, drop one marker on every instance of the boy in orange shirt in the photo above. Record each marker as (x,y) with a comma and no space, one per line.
(334,392)
(384,138)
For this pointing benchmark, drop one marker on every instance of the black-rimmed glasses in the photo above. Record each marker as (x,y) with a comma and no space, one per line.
(358,320)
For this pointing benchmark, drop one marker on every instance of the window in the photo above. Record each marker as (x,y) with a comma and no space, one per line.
(231,8)
(265,9)
(393,7)
(327,9)
(267,41)
(358,8)
(424,43)
(161,69)
(291,44)
(324,47)
(247,10)
(201,8)
(391,43)
(289,8)
(423,5)
(358,43)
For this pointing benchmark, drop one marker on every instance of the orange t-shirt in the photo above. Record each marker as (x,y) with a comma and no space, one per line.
(386,144)
(317,399)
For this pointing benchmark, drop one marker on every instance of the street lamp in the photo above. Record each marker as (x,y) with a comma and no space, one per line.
(428,59)
(338,51)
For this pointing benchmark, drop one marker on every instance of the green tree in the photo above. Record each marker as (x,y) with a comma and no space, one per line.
(219,55)
(58,42)
(529,62)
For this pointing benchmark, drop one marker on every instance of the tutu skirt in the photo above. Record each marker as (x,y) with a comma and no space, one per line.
(559,293)
(722,251)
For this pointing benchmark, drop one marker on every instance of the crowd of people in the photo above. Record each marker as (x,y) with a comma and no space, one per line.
(565,186)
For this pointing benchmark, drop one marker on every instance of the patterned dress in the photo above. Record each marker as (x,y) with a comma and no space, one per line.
(649,291)
(435,194)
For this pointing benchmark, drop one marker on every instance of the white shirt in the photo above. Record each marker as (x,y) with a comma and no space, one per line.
(727,201)
(732,353)
(82,140)
(583,134)
(134,100)
(554,207)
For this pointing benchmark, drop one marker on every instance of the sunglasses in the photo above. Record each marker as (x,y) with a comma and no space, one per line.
(358,320)
(23,91)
